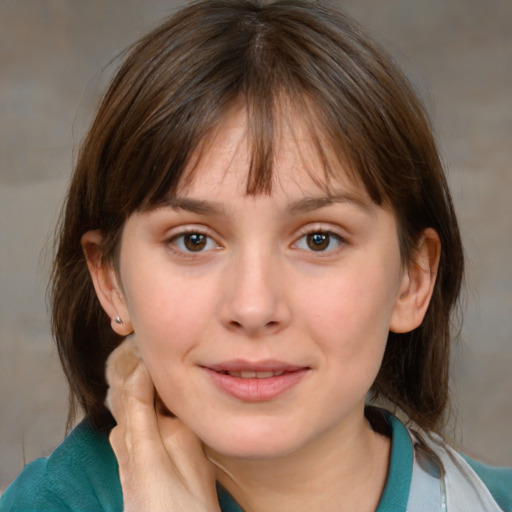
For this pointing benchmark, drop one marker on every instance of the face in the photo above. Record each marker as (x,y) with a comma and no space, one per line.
(262,319)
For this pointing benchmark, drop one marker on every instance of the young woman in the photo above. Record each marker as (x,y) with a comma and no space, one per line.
(260,223)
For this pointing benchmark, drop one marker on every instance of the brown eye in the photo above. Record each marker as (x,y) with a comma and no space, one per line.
(318,241)
(194,241)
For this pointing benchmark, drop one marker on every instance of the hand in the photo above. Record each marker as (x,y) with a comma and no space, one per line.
(162,465)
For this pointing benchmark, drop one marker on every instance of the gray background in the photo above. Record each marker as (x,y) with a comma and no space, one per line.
(53,57)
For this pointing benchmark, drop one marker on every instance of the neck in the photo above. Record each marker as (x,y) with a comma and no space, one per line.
(344,469)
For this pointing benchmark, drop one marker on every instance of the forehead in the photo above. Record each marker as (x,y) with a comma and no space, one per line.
(302,163)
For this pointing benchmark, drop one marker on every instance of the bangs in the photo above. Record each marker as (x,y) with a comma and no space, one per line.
(178,85)
(267,119)
(264,132)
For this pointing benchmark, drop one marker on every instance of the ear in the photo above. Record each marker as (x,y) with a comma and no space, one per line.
(417,284)
(106,283)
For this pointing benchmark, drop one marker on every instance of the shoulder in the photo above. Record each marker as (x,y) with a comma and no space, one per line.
(471,485)
(81,474)
(497,479)
(419,459)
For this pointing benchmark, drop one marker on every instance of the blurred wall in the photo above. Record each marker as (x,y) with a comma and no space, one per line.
(53,56)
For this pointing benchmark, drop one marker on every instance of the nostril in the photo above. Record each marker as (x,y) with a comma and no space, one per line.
(235,323)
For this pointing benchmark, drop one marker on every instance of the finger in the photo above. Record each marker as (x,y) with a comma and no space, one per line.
(131,392)
(186,451)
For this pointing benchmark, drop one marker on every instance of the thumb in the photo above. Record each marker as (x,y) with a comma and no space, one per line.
(130,384)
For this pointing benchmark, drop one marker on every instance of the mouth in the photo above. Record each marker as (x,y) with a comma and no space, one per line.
(255,382)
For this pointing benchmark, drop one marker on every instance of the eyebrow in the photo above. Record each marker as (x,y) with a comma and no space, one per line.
(302,205)
(199,206)
(308,204)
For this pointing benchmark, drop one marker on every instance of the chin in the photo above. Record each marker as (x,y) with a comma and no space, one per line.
(251,451)
(253,442)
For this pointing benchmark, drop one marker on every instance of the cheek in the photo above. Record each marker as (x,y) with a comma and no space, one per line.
(349,318)
(349,306)
(169,304)
(170,316)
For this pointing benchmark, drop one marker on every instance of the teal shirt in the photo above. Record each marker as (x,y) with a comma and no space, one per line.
(82,475)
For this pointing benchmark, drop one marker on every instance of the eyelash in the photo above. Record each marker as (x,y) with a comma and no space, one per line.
(329,237)
(184,250)
(327,234)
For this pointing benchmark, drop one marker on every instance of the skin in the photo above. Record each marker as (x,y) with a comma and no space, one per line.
(260,289)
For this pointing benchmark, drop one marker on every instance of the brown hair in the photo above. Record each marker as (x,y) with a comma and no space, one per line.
(175,86)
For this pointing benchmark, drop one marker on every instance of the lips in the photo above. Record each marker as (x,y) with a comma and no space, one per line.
(255,381)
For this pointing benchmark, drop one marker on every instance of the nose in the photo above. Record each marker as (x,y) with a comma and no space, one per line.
(254,296)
